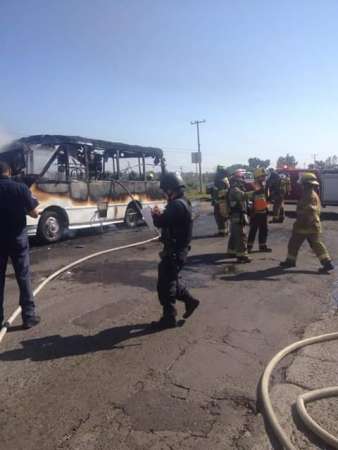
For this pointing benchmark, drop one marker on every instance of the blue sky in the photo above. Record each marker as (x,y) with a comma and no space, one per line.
(264,74)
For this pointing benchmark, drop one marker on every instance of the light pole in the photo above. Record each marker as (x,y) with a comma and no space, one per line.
(197,123)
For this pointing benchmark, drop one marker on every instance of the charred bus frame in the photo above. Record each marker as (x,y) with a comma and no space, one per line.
(82,182)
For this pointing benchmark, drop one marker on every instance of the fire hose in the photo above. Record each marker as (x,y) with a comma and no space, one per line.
(301,400)
(268,408)
(64,269)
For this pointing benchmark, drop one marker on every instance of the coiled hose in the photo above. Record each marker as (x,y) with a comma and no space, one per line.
(301,400)
(59,272)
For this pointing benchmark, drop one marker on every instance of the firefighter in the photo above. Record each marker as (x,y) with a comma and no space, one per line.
(259,213)
(307,225)
(279,186)
(219,201)
(176,224)
(238,204)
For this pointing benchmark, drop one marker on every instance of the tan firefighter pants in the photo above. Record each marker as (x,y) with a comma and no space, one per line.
(221,218)
(237,241)
(315,242)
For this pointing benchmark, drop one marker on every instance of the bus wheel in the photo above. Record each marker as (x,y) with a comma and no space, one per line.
(51,227)
(132,217)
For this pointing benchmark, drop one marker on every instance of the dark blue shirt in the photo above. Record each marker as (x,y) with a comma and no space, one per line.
(16,201)
(176,224)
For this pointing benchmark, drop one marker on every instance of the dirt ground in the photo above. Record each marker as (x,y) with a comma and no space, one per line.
(93,375)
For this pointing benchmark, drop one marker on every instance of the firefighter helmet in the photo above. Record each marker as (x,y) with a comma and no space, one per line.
(171,181)
(260,172)
(237,178)
(238,174)
(309,178)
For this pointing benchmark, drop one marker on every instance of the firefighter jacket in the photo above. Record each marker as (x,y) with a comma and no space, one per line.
(220,190)
(308,214)
(279,185)
(285,186)
(220,196)
(238,203)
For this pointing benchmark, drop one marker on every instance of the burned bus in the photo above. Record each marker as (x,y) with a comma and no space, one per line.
(83,183)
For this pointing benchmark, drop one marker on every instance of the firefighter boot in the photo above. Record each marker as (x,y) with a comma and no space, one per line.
(265,249)
(31,322)
(327,266)
(288,263)
(168,320)
(164,323)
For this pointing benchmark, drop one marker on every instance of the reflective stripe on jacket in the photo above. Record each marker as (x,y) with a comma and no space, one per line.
(260,203)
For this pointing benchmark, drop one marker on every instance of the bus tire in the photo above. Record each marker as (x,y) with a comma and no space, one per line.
(133,216)
(51,227)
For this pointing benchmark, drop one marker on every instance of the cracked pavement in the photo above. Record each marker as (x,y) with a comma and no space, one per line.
(95,376)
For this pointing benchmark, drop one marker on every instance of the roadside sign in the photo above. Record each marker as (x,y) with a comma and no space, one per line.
(195,157)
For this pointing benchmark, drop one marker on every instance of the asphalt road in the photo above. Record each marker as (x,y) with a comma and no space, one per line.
(94,376)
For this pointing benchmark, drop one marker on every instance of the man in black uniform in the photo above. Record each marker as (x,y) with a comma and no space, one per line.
(16,202)
(176,224)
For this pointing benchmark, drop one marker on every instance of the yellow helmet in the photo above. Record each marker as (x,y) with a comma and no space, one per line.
(259,172)
(309,178)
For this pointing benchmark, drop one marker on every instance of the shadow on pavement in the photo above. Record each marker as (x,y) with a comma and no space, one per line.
(207,259)
(56,346)
(267,274)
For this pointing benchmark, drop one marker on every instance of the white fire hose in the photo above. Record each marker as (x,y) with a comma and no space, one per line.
(64,269)
(268,408)
(301,400)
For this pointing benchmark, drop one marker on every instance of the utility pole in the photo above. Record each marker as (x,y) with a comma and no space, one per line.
(197,123)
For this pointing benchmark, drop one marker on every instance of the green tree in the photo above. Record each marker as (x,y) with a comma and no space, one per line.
(288,160)
(331,161)
(256,162)
(317,165)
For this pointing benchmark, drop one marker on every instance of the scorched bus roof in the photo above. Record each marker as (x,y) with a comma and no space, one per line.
(110,148)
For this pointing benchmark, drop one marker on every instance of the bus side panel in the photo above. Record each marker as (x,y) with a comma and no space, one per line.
(80,199)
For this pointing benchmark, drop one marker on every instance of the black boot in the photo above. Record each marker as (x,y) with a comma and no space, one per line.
(168,319)
(327,266)
(288,263)
(265,249)
(31,322)
(190,307)
(164,323)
